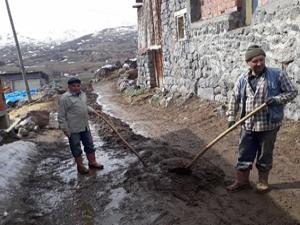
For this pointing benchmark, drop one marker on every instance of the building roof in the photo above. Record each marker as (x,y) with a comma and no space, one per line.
(29,75)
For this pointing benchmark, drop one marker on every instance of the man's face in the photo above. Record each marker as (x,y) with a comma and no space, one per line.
(257,64)
(75,88)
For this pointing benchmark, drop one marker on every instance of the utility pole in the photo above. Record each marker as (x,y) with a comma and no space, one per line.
(19,52)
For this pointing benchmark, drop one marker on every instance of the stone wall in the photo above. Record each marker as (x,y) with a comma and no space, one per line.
(146,71)
(211,57)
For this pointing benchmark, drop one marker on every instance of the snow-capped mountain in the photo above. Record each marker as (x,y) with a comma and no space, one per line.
(57,37)
(45,39)
(82,54)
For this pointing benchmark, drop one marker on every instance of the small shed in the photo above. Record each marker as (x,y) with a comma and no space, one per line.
(14,80)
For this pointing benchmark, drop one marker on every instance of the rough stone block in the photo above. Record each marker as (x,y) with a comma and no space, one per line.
(206,93)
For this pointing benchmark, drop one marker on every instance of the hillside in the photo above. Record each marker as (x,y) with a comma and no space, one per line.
(79,56)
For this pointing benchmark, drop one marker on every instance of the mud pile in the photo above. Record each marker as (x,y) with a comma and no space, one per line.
(159,157)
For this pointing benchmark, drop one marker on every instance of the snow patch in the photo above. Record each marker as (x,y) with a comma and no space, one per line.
(14,158)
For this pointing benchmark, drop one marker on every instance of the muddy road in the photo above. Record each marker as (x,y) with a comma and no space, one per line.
(125,192)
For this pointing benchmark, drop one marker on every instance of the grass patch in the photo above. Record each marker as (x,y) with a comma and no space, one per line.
(134,92)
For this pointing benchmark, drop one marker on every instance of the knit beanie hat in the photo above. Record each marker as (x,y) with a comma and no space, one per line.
(253,51)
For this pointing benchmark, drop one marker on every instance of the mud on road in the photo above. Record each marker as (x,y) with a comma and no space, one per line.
(125,192)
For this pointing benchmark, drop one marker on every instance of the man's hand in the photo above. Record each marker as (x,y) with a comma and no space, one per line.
(231,123)
(271,101)
(67,134)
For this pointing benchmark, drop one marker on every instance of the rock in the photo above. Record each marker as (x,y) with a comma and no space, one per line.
(221,110)
(61,90)
(28,124)
(132,63)
(131,82)
(36,129)
(126,66)
(122,71)
(40,118)
(23,132)
(123,86)
(132,74)
(206,93)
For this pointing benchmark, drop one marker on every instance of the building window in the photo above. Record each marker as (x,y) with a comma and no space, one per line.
(180,23)
(249,9)
(180,27)
(207,9)
(195,6)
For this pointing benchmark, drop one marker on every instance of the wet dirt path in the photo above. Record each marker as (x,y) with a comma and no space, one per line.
(56,194)
(124,192)
(192,126)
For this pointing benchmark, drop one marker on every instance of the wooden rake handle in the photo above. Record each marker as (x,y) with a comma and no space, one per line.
(127,144)
(224,133)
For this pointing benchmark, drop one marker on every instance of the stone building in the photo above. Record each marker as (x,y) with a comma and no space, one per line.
(198,46)
(149,43)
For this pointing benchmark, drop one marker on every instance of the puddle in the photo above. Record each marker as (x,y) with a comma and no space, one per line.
(112,212)
(48,201)
(67,172)
(106,107)
(114,110)
(56,192)
(113,219)
(112,161)
(117,195)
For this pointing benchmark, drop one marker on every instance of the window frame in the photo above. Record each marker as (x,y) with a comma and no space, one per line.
(178,15)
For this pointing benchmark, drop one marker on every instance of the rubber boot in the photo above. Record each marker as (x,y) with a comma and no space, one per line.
(241,182)
(80,167)
(93,164)
(262,186)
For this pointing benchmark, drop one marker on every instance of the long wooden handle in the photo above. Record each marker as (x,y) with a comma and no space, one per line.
(115,130)
(224,133)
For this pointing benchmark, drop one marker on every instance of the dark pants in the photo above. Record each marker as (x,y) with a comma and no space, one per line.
(86,138)
(257,145)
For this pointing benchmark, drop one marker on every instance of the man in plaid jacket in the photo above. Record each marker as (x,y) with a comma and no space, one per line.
(258,134)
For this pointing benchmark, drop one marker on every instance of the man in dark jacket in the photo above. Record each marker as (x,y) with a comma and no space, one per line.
(258,134)
(73,121)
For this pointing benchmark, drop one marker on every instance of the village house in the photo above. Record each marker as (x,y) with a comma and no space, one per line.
(197,47)
(15,82)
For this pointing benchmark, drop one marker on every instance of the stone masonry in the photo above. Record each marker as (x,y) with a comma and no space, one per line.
(209,59)
(146,68)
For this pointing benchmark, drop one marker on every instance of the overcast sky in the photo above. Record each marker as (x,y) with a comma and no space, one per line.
(40,18)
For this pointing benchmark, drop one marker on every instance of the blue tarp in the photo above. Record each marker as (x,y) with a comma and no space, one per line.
(13,97)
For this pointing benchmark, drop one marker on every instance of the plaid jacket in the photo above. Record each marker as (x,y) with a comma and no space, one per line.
(260,121)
